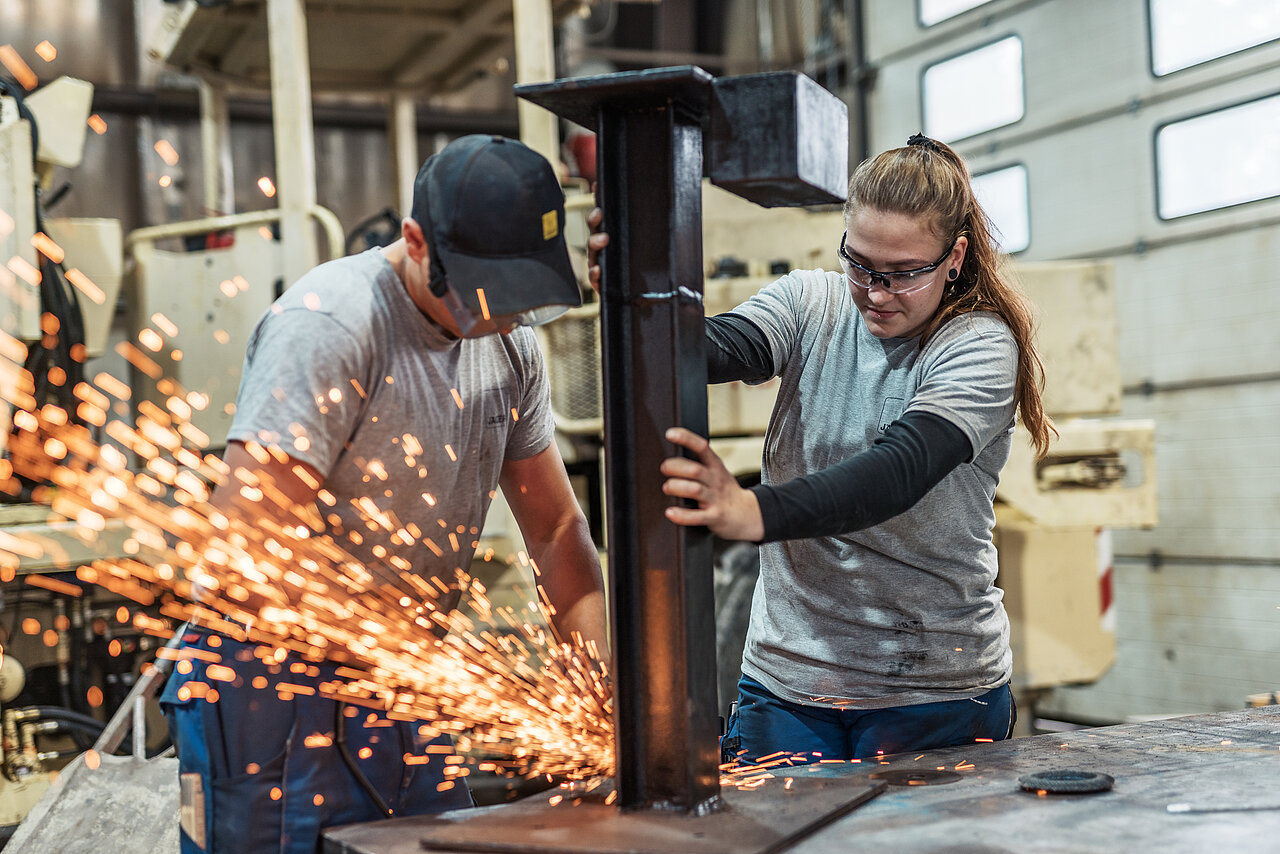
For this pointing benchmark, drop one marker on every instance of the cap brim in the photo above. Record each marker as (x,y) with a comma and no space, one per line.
(513,285)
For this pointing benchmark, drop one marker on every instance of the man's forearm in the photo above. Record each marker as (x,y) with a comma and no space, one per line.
(569,575)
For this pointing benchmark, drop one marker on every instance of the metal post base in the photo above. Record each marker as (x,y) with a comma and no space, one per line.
(764,820)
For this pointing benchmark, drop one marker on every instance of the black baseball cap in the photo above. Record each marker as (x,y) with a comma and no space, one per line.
(493,214)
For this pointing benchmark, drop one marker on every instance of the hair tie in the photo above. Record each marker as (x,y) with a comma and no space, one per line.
(924,142)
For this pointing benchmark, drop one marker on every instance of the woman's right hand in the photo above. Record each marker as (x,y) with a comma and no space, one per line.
(596,243)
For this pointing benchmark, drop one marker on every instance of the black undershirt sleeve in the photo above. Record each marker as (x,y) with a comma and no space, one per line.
(737,350)
(914,454)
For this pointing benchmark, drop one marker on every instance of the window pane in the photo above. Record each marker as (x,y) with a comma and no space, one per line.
(1220,159)
(933,11)
(1188,32)
(1003,195)
(974,92)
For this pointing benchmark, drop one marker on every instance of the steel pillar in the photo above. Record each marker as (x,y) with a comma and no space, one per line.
(650,161)
(655,376)
(650,168)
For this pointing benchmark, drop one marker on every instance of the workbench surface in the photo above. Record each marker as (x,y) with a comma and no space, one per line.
(1223,770)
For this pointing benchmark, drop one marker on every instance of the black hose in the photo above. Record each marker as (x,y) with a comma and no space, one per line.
(340,741)
(60,714)
(84,736)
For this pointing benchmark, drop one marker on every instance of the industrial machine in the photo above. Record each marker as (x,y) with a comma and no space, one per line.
(71,655)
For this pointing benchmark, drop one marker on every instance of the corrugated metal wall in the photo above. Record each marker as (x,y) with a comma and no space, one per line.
(1198,597)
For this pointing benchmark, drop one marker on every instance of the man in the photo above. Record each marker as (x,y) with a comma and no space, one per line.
(401,377)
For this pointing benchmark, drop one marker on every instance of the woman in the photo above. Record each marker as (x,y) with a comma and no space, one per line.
(876,627)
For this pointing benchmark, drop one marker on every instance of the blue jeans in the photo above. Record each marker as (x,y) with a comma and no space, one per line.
(268,769)
(763,724)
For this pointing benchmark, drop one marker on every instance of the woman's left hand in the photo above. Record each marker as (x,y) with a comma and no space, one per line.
(724,506)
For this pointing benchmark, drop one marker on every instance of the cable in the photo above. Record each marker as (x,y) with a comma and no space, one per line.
(340,741)
(61,714)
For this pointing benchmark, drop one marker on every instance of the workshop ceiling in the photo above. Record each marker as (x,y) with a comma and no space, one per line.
(432,46)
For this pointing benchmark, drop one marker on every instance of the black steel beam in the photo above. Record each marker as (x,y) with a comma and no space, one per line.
(777,139)
(650,186)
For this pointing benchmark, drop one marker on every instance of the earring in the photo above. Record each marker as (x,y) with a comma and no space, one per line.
(952,275)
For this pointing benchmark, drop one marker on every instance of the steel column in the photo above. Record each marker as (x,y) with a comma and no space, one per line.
(650,161)
(655,377)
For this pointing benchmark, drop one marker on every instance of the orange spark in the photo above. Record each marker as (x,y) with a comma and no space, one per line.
(46,51)
(45,245)
(21,72)
(54,584)
(86,286)
(98,124)
(266,186)
(167,152)
(24,270)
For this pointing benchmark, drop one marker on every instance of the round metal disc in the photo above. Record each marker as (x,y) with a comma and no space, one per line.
(1066,782)
(904,777)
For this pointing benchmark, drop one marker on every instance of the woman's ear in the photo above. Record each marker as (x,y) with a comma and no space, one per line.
(958,253)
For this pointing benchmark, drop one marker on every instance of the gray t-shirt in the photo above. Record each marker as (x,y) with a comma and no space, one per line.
(907,611)
(408,426)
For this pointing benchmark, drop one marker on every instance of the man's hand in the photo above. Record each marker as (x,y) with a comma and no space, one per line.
(596,243)
(724,506)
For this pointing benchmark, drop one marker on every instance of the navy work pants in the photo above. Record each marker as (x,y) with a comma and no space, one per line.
(260,768)
(764,724)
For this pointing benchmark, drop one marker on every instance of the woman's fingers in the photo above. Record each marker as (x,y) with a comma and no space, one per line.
(691,441)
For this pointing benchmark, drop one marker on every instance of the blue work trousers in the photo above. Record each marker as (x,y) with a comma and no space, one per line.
(764,724)
(261,768)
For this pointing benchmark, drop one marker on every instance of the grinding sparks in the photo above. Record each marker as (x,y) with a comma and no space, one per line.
(46,51)
(266,186)
(18,67)
(167,152)
(86,286)
(45,245)
(493,677)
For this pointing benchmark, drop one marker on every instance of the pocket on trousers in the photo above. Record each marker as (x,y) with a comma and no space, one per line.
(248,810)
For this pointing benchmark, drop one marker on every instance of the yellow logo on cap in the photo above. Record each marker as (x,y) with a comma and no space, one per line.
(550,225)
